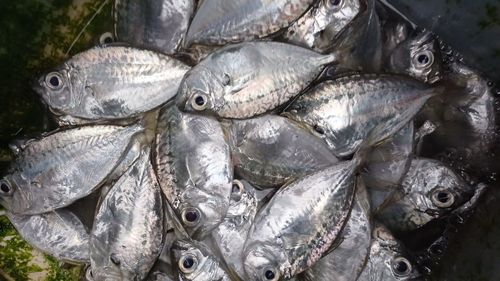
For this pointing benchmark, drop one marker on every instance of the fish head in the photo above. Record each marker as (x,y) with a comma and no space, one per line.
(201,216)
(418,56)
(12,195)
(263,262)
(61,89)
(199,91)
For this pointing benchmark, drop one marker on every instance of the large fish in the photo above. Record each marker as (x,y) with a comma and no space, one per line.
(62,167)
(218,22)
(300,223)
(109,83)
(157,25)
(59,233)
(270,150)
(247,79)
(127,235)
(193,164)
(345,111)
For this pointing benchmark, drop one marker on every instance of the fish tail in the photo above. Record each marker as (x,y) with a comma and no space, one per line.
(328,59)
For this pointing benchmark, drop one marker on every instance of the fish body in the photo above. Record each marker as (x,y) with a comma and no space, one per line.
(62,167)
(193,164)
(110,83)
(247,79)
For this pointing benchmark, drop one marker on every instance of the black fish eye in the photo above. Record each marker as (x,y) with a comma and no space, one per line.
(269,274)
(188,263)
(106,38)
(199,102)
(335,2)
(191,216)
(226,79)
(423,59)
(5,188)
(319,130)
(54,80)
(442,198)
(401,266)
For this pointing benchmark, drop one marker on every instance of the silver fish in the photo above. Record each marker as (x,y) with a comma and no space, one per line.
(247,79)
(270,150)
(157,25)
(429,190)
(193,164)
(388,259)
(127,235)
(59,233)
(387,164)
(62,167)
(196,262)
(346,110)
(347,260)
(110,83)
(300,223)
(319,26)
(418,56)
(218,22)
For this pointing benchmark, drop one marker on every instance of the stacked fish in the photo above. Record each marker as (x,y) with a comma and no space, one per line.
(249,140)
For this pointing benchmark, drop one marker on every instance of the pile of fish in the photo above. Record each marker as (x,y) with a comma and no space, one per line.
(251,140)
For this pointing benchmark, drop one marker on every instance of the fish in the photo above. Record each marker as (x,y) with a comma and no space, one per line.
(193,164)
(243,80)
(319,26)
(387,164)
(196,262)
(300,223)
(126,238)
(429,190)
(54,171)
(109,83)
(344,111)
(388,259)
(156,25)
(346,261)
(270,150)
(218,22)
(419,56)
(59,233)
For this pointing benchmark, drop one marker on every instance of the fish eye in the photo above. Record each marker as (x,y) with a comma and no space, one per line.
(106,38)
(236,190)
(226,79)
(423,59)
(54,81)
(271,274)
(401,266)
(5,187)
(188,263)
(318,129)
(335,2)
(191,216)
(199,102)
(114,259)
(442,198)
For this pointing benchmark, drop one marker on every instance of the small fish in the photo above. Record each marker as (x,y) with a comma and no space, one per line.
(319,26)
(109,83)
(300,223)
(429,190)
(346,110)
(127,235)
(64,166)
(218,22)
(194,168)
(157,25)
(388,260)
(59,233)
(247,79)
(346,261)
(196,262)
(270,150)
(418,56)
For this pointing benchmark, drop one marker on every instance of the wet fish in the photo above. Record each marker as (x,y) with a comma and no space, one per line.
(300,223)
(109,83)
(270,150)
(193,165)
(62,167)
(127,235)
(59,233)
(388,260)
(319,26)
(196,262)
(157,25)
(429,190)
(418,56)
(387,164)
(346,261)
(345,111)
(247,79)
(218,22)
